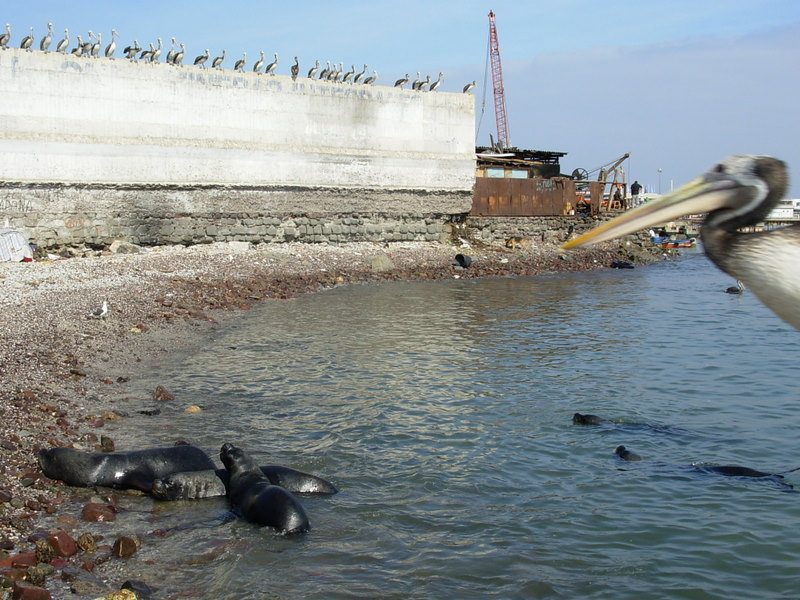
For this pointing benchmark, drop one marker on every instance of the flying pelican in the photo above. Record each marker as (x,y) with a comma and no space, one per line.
(349,74)
(131,51)
(96,45)
(157,52)
(259,63)
(78,50)
(735,289)
(401,82)
(324,73)
(416,82)
(109,52)
(201,59)
(215,64)
(295,68)
(5,37)
(436,83)
(62,45)
(359,76)
(313,70)
(26,42)
(171,53)
(45,43)
(468,87)
(178,58)
(239,64)
(270,70)
(739,191)
(371,79)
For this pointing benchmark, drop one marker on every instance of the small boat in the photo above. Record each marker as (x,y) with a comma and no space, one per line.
(685,243)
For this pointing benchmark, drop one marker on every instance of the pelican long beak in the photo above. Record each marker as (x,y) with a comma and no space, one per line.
(708,192)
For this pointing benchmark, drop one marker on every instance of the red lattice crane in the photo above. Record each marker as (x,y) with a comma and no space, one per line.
(503,139)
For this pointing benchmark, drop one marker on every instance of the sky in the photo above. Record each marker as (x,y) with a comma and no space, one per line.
(679,84)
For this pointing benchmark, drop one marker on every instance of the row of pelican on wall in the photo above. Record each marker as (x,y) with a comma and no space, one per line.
(94,45)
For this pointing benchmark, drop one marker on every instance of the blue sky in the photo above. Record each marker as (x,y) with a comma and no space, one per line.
(678,83)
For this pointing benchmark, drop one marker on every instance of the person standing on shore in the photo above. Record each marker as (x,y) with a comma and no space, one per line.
(635,189)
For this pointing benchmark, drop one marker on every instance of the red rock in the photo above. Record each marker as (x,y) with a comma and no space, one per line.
(24,560)
(58,563)
(13,574)
(97,512)
(26,591)
(63,544)
(125,546)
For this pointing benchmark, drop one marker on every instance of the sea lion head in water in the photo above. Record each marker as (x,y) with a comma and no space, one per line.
(579,419)
(258,501)
(626,454)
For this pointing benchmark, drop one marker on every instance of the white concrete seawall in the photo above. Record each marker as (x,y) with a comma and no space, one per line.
(85,139)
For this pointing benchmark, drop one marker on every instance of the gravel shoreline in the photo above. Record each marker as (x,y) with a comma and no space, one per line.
(57,364)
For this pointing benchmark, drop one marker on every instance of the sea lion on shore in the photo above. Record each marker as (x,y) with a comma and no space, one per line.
(207,484)
(121,470)
(256,499)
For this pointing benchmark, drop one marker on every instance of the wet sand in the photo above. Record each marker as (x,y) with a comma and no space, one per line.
(59,366)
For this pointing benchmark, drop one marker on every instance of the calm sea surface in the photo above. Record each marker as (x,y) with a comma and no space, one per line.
(442,411)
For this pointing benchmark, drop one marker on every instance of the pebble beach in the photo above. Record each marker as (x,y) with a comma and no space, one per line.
(59,364)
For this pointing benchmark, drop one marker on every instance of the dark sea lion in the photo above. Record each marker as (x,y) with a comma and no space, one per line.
(626,454)
(122,470)
(579,419)
(206,484)
(256,499)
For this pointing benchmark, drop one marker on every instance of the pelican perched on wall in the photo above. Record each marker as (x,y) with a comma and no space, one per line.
(62,45)
(171,53)
(109,51)
(178,58)
(416,82)
(436,83)
(96,46)
(26,42)
(360,75)
(4,39)
(215,64)
(326,71)
(239,64)
(346,77)
(313,70)
(295,70)
(270,70)
(78,49)
(44,45)
(131,51)
(423,84)
(259,63)
(468,87)
(147,54)
(372,78)
(738,192)
(87,46)
(401,82)
(157,52)
(198,62)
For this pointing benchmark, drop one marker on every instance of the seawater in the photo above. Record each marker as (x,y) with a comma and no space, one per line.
(442,411)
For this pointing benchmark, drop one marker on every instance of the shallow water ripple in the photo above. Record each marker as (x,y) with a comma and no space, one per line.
(442,410)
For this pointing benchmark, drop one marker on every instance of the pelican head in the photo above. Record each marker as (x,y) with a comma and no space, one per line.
(739,191)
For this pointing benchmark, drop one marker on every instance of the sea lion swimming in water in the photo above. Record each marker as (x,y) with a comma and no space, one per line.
(207,484)
(121,470)
(579,419)
(256,499)
(626,454)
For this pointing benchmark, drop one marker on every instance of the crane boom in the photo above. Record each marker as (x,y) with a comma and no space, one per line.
(503,139)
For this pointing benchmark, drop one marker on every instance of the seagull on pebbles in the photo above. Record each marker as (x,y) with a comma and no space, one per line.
(99,313)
